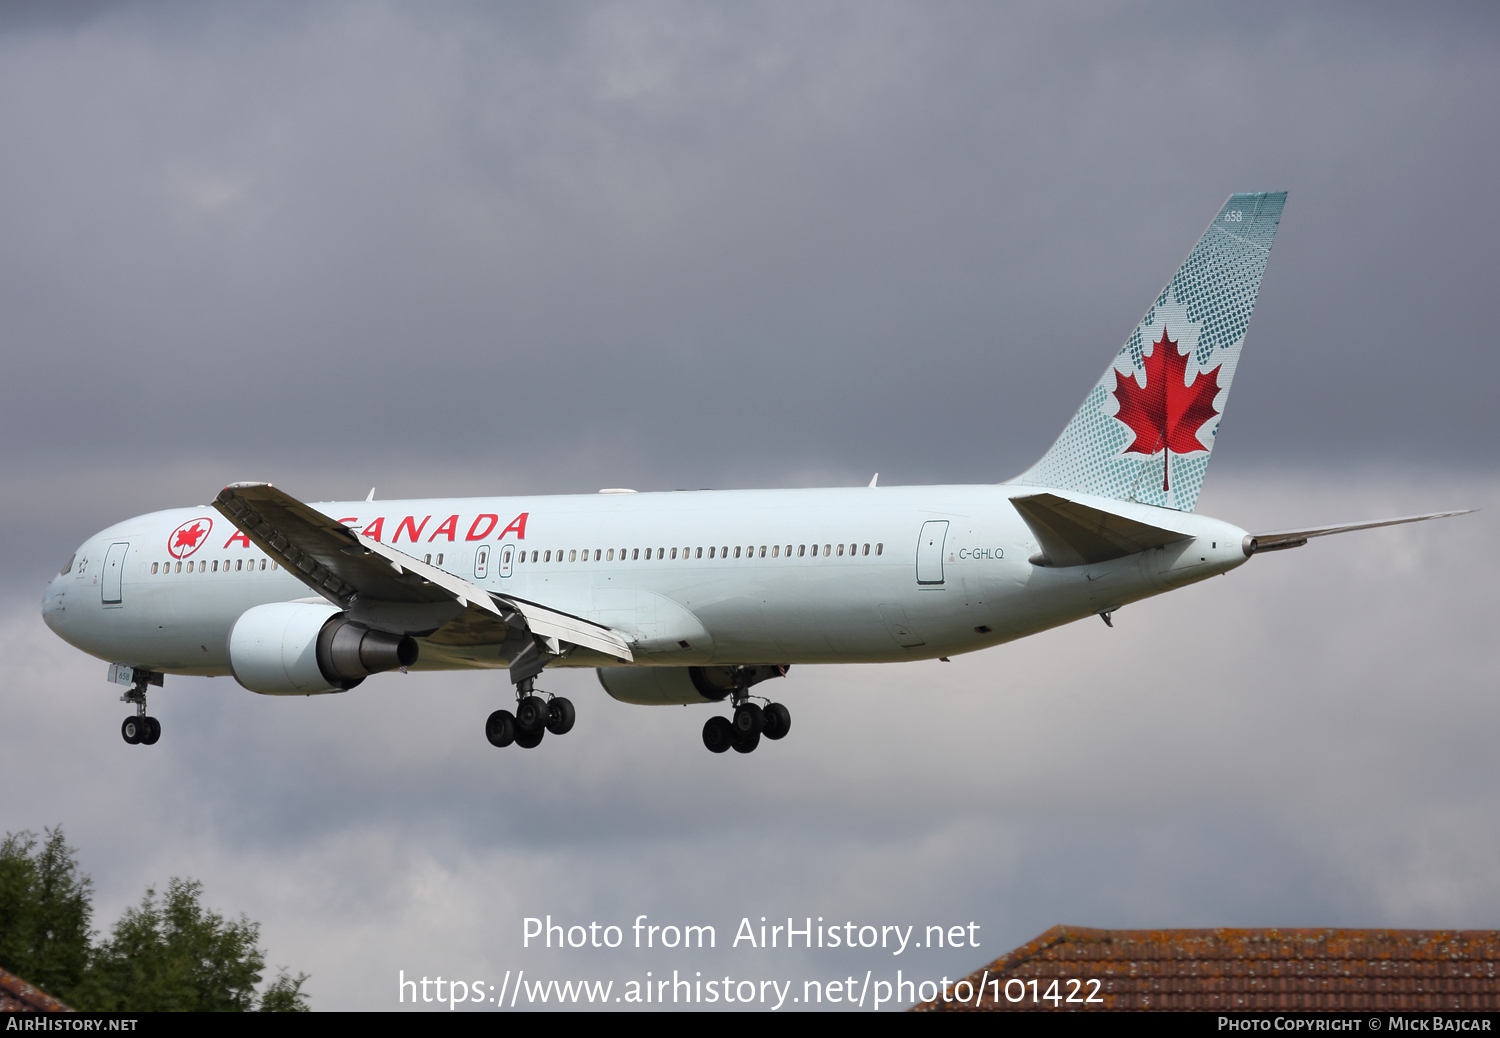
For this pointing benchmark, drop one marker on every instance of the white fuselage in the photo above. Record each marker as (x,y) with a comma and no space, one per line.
(706,577)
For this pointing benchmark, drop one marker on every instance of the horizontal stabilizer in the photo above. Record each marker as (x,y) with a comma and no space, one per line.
(1073,534)
(1282,539)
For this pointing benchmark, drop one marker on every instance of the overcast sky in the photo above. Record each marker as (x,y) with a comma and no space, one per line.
(451,248)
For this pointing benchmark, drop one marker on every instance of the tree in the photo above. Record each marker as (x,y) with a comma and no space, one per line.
(172,955)
(167,953)
(45,912)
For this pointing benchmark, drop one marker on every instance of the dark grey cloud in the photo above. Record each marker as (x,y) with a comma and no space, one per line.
(822,238)
(465,249)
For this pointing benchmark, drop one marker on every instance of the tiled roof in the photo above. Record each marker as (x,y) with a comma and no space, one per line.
(1238,970)
(17,996)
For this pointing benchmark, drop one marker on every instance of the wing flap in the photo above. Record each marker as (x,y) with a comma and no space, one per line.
(1074,534)
(550,623)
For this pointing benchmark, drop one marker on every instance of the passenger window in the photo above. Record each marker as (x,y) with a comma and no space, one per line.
(154,565)
(801,550)
(661,553)
(762,551)
(573,555)
(609,556)
(736,551)
(711,550)
(827,550)
(239,564)
(788,551)
(867,549)
(599,554)
(547,557)
(775,551)
(700,554)
(275,564)
(841,549)
(879,549)
(440,558)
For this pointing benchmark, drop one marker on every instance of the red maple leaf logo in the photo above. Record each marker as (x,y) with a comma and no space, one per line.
(189,538)
(1167,414)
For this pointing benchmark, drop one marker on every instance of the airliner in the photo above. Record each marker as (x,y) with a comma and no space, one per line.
(700,597)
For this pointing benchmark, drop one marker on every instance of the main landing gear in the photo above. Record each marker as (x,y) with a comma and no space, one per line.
(743,730)
(535,716)
(140,729)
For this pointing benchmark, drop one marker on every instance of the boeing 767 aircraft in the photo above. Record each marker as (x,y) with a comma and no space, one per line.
(700,597)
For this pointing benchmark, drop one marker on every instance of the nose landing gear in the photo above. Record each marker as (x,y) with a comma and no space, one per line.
(141,729)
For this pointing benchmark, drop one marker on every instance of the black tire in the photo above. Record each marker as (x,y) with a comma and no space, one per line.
(132,730)
(718,734)
(530,740)
(152,733)
(561,716)
(500,728)
(746,742)
(778,721)
(749,720)
(531,714)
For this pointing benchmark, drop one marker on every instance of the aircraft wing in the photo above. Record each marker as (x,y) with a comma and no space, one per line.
(1283,539)
(341,566)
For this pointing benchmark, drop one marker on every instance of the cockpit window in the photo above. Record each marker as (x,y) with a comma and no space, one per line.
(68,568)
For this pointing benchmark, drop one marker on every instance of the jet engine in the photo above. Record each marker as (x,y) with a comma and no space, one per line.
(302,648)
(671,686)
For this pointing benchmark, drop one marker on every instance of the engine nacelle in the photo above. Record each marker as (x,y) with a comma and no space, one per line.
(303,648)
(672,686)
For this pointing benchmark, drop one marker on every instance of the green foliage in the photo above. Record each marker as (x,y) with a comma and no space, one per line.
(44,912)
(171,955)
(168,953)
(285,994)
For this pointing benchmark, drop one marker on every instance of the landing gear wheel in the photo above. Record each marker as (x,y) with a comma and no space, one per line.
(153,731)
(133,730)
(749,719)
(500,728)
(778,721)
(561,716)
(746,743)
(718,734)
(531,716)
(530,740)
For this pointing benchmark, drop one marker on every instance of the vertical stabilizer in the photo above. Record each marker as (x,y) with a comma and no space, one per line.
(1146,431)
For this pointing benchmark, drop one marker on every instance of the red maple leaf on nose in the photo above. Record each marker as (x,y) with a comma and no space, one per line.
(1169,411)
(189,538)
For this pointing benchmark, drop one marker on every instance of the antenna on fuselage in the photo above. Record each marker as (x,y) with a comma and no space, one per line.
(874,478)
(372,495)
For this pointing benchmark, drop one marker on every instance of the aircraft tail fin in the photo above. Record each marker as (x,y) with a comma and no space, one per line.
(1147,429)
